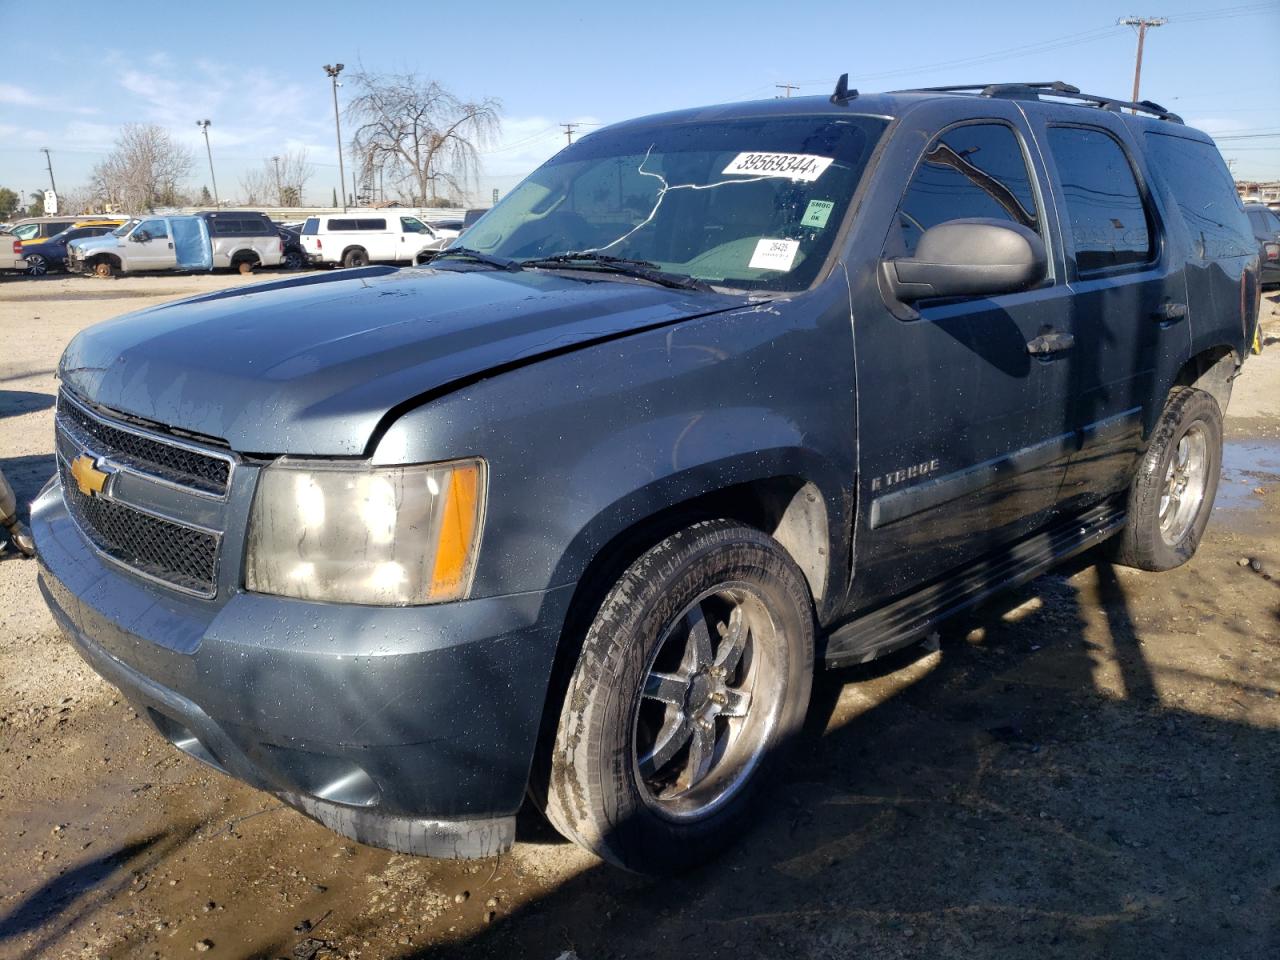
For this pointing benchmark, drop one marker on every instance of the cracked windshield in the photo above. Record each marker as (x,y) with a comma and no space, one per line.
(748,204)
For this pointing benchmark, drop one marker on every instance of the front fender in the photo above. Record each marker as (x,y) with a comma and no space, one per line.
(584,445)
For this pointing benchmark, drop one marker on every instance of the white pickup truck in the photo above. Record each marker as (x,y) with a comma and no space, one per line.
(229,239)
(357,239)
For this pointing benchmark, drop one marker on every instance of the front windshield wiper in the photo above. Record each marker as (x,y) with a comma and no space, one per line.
(640,269)
(466,253)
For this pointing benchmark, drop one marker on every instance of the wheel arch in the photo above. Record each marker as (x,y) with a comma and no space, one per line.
(350,247)
(1212,370)
(246,254)
(789,506)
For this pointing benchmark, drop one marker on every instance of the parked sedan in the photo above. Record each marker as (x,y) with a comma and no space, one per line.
(293,257)
(50,254)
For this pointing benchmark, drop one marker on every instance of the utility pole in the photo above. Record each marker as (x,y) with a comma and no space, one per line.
(333,72)
(204,126)
(569,129)
(1141,24)
(49,161)
(786,88)
(279,198)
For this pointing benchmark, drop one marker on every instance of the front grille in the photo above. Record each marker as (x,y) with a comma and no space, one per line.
(163,460)
(158,548)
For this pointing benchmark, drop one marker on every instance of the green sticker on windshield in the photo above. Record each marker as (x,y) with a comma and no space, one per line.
(816,214)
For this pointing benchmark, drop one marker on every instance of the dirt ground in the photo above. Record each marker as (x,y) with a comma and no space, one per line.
(1088,767)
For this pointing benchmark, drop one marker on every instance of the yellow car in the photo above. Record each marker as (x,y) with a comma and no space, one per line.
(39,229)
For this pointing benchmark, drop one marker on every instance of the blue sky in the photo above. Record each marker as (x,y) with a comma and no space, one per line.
(257,73)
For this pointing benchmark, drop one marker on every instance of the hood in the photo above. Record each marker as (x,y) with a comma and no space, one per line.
(105,242)
(309,366)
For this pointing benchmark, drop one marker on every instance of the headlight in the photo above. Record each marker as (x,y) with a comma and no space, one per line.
(361,534)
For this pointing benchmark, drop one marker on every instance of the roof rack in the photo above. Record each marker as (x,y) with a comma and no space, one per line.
(1052,88)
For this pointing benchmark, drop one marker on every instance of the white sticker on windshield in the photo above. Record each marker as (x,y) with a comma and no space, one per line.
(774,254)
(793,166)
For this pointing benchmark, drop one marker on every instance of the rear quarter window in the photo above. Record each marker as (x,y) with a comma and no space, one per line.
(1109,222)
(1197,177)
(311,227)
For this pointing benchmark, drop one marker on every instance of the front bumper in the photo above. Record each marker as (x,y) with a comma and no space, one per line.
(406,728)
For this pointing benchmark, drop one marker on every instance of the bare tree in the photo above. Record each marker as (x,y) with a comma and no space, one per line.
(281,186)
(144,169)
(295,171)
(420,136)
(259,185)
(79,200)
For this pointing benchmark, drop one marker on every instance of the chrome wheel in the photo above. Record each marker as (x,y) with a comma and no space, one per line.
(711,698)
(1185,483)
(37,265)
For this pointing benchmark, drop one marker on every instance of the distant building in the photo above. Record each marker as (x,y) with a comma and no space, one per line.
(1255,191)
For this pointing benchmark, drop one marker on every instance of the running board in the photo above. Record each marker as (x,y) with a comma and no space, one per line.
(908,618)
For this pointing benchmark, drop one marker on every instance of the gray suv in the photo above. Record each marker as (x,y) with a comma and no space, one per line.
(712,400)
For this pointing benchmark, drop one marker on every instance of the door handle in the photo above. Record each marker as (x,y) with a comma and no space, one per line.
(1169,312)
(1050,343)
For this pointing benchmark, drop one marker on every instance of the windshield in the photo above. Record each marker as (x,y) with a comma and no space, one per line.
(750,204)
(124,228)
(26,231)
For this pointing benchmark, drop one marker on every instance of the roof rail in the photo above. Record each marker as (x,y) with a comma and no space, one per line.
(1051,88)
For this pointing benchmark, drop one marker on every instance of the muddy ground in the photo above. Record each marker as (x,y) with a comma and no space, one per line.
(1088,767)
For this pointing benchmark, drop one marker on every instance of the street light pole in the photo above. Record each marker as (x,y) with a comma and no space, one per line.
(204,125)
(279,198)
(333,72)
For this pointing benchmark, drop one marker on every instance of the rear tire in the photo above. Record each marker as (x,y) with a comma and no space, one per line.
(1171,496)
(245,267)
(693,679)
(355,258)
(37,265)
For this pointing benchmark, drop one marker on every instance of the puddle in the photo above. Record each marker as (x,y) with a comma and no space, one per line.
(1246,465)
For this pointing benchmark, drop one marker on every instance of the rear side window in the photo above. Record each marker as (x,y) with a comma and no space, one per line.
(975,170)
(1265,223)
(242,227)
(1205,193)
(344,224)
(1108,221)
(311,227)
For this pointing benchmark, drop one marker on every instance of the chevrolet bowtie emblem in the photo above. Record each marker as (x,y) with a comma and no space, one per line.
(90,480)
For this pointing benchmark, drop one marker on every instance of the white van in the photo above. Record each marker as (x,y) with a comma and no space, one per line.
(355,240)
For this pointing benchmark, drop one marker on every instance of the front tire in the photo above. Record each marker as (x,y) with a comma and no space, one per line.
(104,269)
(693,679)
(1172,495)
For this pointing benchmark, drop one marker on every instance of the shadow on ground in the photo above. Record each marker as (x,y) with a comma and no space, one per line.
(14,403)
(996,804)
(27,475)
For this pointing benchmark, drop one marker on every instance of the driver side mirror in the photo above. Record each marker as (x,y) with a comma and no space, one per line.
(974,257)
